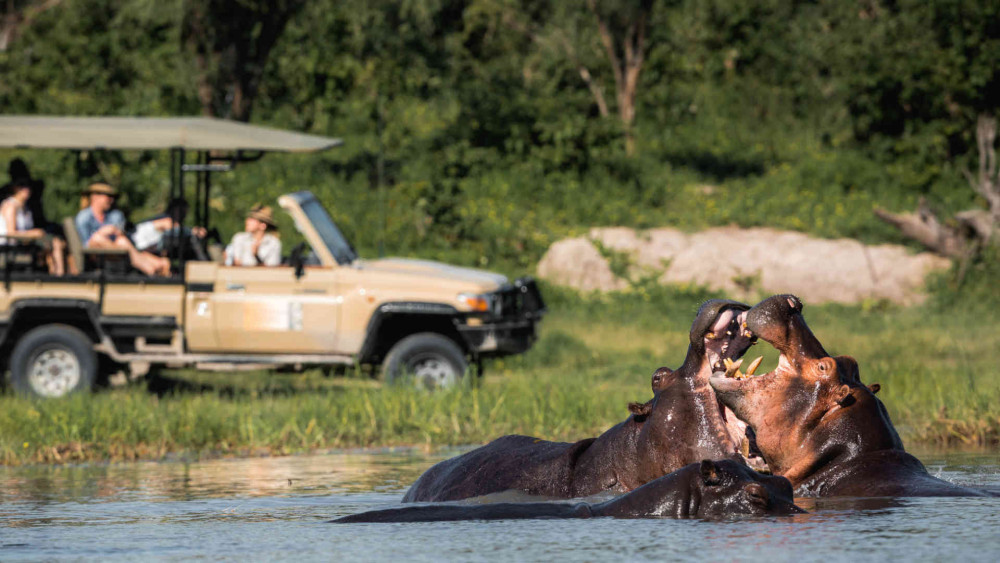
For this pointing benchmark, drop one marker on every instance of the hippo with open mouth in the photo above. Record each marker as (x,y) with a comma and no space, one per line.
(709,490)
(813,420)
(683,423)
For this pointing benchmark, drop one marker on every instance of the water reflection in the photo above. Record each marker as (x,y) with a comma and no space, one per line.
(224,478)
(273,508)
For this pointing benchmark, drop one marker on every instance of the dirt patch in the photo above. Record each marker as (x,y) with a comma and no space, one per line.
(743,262)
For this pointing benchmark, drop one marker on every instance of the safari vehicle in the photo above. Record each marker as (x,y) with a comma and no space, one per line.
(324,306)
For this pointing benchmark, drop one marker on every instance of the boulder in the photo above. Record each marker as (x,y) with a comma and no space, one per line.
(743,262)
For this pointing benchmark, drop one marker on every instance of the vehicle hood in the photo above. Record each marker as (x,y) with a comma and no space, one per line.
(487,281)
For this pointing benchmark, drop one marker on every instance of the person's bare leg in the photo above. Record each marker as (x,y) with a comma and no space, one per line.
(100,241)
(71,265)
(58,257)
(142,261)
(136,258)
(157,265)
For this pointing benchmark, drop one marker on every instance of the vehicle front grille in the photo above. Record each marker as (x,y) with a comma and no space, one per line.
(522,299)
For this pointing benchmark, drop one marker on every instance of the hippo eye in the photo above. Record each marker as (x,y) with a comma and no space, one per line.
(757,493)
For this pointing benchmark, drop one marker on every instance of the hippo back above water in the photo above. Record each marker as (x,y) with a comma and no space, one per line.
(682,424)
(723,489)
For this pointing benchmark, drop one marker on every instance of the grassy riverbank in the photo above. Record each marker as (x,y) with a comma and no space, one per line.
(936,364)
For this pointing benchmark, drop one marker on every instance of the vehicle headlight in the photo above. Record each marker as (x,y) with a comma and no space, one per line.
(478,303)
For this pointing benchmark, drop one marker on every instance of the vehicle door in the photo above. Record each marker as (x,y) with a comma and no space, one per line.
(271,310)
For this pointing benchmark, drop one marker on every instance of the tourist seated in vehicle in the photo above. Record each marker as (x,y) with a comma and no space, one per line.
(18,169)
(102,227)
(258,244)
(151,235)
(16,218)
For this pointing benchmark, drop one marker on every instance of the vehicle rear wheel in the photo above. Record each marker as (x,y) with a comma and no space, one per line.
(53,361)
(426,360)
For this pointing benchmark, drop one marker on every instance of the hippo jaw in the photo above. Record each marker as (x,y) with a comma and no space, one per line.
(719,337)
(726,339)
(755,399)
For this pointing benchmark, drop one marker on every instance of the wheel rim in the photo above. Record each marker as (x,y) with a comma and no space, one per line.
(431,372)
(54,372)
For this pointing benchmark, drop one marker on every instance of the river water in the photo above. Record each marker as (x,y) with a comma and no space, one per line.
(277,508)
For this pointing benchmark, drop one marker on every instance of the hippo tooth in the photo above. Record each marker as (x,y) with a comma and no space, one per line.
(754,365)
(733,368)
(745,447)
(710,335)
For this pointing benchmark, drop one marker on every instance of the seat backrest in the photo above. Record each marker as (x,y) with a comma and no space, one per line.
(216,252)
(73,243)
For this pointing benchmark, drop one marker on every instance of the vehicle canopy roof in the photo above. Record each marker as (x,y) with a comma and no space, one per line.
(151,133)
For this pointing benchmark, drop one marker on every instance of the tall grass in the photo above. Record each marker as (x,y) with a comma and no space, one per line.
(936,364)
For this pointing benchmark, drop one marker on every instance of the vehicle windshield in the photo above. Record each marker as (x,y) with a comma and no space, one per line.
(335,241)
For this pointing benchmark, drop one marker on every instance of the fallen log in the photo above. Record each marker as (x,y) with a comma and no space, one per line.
(924,227)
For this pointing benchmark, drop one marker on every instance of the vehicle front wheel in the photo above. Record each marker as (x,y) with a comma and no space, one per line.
(427,360)
(53,361)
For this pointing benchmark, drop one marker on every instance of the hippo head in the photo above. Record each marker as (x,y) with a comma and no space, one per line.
(812,407)
(728,489)
(719,338)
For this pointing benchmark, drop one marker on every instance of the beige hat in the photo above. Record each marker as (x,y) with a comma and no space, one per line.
(263,214)
(101,188)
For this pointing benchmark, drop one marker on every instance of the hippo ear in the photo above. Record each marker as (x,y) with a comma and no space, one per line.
(757,493)
(844,398)
(709,472)
(660,377)
(874,388)
(640,411)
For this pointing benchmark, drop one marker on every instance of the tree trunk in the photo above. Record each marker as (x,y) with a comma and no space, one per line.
(625,66)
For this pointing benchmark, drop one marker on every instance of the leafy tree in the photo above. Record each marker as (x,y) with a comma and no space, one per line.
(231,41)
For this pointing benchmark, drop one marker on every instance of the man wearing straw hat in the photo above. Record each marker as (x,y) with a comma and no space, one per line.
(256,245)
(100,226)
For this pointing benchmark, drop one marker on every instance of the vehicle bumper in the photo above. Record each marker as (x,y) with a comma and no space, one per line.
(511,329)
(500,339)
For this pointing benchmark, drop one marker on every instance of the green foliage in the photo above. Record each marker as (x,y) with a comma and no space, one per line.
(595,355)
(793,115)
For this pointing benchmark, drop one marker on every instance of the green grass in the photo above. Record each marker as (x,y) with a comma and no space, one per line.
(936,364)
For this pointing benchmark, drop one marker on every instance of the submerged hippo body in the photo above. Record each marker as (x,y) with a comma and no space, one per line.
(682,424)
(708,489)
(815,422)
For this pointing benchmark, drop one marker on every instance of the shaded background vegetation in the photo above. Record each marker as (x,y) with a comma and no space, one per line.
(501,125)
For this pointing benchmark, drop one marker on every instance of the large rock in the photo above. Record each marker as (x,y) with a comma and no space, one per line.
(741,261)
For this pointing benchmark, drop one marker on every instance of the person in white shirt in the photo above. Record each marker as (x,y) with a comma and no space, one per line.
(149,235)
(257,245)
(15,217)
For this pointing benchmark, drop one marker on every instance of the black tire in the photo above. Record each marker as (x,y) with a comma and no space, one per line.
(427,360)
(53,361)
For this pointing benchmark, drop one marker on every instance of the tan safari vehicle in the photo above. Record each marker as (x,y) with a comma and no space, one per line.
(324,306)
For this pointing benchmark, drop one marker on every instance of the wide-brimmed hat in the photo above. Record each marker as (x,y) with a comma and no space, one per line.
(263,214)
(101,188)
